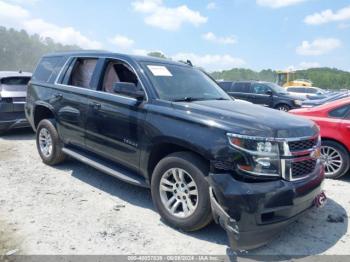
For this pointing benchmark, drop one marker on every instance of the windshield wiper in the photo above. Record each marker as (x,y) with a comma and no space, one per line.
(187,99)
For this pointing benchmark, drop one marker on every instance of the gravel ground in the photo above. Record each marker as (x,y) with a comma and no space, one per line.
(74,209)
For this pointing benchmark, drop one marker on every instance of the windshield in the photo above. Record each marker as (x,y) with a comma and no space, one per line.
(182,83)
(277,88)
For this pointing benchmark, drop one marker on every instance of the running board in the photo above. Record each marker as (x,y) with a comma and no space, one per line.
(106,167)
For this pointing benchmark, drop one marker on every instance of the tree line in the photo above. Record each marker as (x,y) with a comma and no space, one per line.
(21,51)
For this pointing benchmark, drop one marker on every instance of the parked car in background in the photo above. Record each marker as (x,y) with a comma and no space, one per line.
(329,98)
(307,92)
(13,90)
(334,121)
(262,93)
(168,126)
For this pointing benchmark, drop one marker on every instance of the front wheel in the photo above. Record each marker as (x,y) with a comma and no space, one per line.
(336,159)
(180,191)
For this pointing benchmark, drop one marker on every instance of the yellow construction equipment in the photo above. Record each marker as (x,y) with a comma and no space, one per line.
(286,79)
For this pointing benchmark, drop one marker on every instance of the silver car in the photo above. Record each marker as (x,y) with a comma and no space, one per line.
(13,91)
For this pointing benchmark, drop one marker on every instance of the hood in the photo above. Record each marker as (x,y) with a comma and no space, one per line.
(11,91)
(248,119)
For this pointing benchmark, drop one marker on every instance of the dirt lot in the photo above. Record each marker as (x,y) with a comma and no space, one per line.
(74,209)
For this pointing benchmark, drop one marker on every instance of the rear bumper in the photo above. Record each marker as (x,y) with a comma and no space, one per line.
(253,213)
(12,116)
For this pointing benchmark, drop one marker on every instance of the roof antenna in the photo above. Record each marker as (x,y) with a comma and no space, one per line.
(20,71)
(189,62)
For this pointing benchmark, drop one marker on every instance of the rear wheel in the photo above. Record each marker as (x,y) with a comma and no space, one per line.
(283,107)
(180,191)
(48,143)
(336,159)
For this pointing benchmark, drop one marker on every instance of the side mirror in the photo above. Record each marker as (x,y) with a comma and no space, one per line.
(269,92)
(128,89)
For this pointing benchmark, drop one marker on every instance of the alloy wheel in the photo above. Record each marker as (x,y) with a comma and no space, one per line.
(45,142)
(178,192)
(332,159)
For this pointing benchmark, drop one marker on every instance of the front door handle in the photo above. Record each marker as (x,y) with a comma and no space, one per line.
(58,96)
(95,105)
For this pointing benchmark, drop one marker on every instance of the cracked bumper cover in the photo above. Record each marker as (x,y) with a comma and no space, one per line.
(253,213)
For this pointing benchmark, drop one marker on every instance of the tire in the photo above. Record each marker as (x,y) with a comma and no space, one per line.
(283,107)
(54,155)
(336,159)
(194,168)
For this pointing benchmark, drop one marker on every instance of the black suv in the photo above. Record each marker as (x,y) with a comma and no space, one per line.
(262,93)
(168,126)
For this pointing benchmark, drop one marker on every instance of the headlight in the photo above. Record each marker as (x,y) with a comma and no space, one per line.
(261,154)
(298,102)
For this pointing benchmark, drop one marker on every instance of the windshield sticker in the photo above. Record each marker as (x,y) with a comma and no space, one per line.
(159,70)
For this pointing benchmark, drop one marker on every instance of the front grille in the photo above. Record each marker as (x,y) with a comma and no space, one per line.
(303,168)
(302,145)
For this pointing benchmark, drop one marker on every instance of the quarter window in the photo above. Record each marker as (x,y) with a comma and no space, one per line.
(82,72)
(48,69)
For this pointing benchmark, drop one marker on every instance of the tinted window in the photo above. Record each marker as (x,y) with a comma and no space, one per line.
(48,69)
(340,112)
(296,89)
(260,89)
(82,72)
(226,86)
(242,87)
(15,81)
(310,90)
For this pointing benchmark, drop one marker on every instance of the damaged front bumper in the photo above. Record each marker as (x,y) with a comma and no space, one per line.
(253,213)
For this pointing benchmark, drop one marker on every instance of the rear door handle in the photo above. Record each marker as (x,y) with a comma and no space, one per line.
(95,105)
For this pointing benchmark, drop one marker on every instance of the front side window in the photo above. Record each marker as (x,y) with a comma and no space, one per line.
(82,72)
(340,112)
(260,89)
(118,72)
(177,83)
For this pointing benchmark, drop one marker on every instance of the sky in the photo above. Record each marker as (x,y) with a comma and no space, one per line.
(213,34)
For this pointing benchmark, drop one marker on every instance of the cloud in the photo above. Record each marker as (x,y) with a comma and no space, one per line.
(167,18)
(278,3)
(13,15)
(211,5)
(220,40)
(122,42)
(209,61)
(318,46)
(328,16)
(307,65)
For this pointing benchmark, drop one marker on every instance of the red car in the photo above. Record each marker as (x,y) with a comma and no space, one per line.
(334,121)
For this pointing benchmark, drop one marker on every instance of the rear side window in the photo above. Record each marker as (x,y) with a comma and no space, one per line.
(242,87)
(82,72)
(340,112)
(226,86)
(14,81)
(48,69)
(260,89)
(296,89)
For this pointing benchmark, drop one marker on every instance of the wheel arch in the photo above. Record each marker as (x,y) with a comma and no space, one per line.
(42,111)
(336,141)
(164,148)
